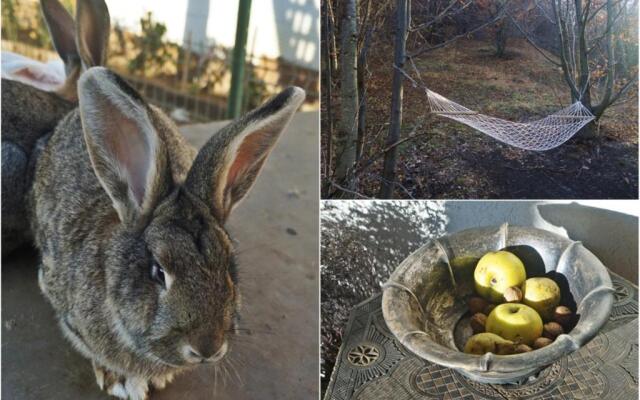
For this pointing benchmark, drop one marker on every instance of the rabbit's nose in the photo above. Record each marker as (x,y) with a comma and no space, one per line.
(207,353)
(222,351)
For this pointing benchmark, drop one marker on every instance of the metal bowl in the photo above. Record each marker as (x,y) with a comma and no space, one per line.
(424,301)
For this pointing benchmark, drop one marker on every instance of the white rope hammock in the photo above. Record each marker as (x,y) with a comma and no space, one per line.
(544,134)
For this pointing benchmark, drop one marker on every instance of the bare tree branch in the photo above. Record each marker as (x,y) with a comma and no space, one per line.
(344,189)
(532,43)
(623,90)
(425,49)
(440,16)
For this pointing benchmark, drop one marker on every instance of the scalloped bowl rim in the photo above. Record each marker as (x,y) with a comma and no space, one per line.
(420,343)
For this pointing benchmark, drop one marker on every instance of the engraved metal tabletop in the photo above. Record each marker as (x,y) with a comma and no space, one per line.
(372,365)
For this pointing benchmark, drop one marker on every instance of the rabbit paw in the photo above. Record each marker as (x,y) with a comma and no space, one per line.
(160,382)
(127,388)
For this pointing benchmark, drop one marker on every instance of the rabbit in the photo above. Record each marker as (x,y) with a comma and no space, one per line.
(48,76)
(61,76)
(130,219)
(30,114)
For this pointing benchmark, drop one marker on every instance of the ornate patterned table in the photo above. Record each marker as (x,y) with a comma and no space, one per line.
(372,365)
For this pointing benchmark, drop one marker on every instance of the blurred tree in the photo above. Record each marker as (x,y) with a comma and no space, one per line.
(154,51)
(10,25)
(256,91)
(495,9)
(22,21)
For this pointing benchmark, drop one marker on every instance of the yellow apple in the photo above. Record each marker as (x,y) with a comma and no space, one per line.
(543,295)
(516,322)
(497,272)
(488,343)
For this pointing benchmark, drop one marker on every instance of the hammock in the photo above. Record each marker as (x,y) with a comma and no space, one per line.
(544,134)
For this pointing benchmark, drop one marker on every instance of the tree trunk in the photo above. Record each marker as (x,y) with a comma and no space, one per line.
(589,131)
(333,51)
(326,52)
(582,57)
(348,126)
(389,168)
(362,95)
(501,37)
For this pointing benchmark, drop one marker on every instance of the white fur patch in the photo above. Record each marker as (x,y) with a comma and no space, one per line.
(99,372)
(160,382)
(41,280)
(168,280)
(118,390)
(186,351)
(137,388)
(221,352)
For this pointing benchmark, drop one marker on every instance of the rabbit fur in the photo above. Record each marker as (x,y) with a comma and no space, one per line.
(29,114)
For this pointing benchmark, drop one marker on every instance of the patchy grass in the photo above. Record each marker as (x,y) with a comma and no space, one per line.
(450,160)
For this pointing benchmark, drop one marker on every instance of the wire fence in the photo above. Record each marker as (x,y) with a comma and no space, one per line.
(274,74)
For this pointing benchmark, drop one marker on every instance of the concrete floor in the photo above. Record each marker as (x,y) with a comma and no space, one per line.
(277,232)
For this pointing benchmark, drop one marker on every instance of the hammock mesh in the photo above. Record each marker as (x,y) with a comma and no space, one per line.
(544,134)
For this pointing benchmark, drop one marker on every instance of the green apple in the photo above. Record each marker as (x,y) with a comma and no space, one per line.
(497,272)
(488,343)
(516,322)
(543,295)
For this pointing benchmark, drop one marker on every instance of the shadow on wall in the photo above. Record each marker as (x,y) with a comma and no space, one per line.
(362,243)
(611,236)
(297,23)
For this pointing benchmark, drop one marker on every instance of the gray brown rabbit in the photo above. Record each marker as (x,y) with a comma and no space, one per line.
(130,223)
(30,114)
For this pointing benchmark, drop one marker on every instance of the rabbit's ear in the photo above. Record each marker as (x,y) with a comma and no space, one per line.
(62,30)
(92,31)
(228,164)
(127,155)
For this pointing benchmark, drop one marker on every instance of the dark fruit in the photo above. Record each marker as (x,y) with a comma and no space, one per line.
(478,322)
(552,330)
(504,349)
(541,342)
(564,316)
(487,310)
(476,304)
(522,348)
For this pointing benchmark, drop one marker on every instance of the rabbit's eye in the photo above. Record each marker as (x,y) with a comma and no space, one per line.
(157,274)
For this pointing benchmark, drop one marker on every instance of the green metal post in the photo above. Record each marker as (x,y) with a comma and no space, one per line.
(239,55)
